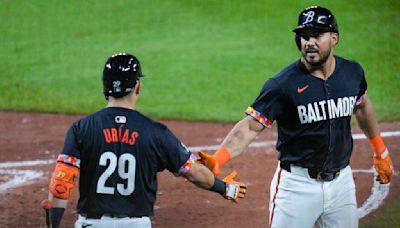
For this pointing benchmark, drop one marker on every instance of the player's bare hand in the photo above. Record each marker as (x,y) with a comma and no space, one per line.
(209,161)
(234,189)
(384,168)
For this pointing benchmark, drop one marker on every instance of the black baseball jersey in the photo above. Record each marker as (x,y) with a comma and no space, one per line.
(313,115)
(120,152)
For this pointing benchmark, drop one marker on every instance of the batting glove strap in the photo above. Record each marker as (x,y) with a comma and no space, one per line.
(384,154)
(232,191)
(219,186)
(378,146)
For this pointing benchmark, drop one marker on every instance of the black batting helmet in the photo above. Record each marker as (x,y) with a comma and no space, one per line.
(315,18)
(120,74)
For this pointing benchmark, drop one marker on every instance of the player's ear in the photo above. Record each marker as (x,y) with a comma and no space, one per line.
(335,38)
(137,87)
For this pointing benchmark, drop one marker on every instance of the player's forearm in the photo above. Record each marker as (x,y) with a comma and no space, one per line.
(200,176)
(366,119)
(368,124)
(242,134)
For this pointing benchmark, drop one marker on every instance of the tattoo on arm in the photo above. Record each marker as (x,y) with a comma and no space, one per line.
(237,136)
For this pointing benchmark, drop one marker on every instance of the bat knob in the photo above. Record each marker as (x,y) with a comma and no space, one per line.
(46,204)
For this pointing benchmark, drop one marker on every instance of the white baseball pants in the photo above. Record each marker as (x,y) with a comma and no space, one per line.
(297,200)
(109,222)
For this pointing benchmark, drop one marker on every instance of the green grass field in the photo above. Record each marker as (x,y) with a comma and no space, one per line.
(204,60)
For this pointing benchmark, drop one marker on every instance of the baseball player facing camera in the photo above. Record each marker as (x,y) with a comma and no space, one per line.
(312,101)
(117,152)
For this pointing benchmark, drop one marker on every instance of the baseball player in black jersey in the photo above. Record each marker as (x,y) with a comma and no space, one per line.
(312,101)
(117,153)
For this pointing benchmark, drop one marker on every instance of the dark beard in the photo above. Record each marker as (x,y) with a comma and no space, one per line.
(320,63)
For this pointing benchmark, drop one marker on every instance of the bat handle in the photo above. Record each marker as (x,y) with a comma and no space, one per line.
(46,205)
(48,225)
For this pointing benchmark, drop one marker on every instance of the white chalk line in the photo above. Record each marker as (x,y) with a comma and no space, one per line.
(19,178)
(24,177)
(378,193)
(26,163)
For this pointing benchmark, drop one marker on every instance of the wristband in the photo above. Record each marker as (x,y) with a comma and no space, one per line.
(56,214)
(377,144)
(222,155)
(219,186)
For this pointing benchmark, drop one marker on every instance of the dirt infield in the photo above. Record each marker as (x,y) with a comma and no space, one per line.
(29,143)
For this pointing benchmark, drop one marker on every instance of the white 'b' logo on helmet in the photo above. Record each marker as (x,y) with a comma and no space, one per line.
(310,16)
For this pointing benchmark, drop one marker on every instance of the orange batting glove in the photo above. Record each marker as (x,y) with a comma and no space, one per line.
(216,161)
(234,189)
(384,167)
(382,161)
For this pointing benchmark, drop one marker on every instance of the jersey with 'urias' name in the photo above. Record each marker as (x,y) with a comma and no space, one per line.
(120,152)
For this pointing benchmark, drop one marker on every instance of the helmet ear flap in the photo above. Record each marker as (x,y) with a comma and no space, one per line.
(297,38)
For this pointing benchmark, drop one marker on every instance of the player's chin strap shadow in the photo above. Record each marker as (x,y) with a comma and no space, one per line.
(297,39)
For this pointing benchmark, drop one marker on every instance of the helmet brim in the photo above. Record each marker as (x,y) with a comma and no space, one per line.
(313,28)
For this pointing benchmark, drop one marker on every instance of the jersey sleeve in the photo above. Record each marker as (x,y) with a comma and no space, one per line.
(70,153)
(267,105)
(175,155)
(362,94)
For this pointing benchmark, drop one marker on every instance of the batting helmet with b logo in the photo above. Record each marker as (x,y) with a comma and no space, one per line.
(315,18)
(318,18)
